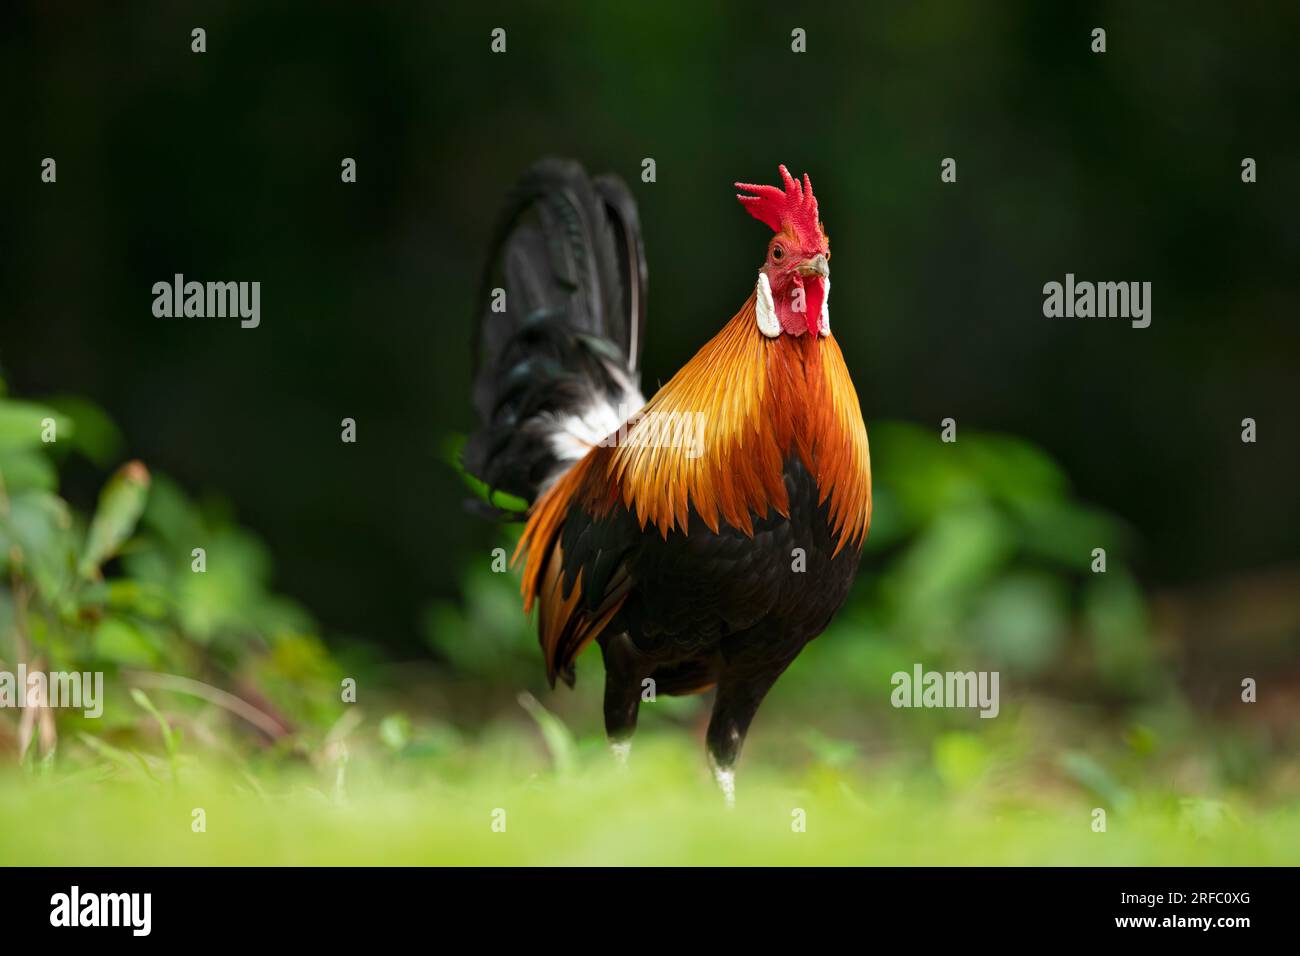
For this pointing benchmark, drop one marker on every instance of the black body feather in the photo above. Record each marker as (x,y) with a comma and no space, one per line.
(738,604)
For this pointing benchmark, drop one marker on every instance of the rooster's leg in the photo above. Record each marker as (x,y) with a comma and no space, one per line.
(624,672)
(733,709)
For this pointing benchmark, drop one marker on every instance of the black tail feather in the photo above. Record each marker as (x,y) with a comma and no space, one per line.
(568,253)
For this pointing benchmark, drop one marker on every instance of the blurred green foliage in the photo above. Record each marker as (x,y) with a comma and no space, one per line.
(122,591)
(221,692)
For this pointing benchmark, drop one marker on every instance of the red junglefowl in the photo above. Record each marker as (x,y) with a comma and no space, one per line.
(701,538)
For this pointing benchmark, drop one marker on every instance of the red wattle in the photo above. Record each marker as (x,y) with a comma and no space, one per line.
(814,298)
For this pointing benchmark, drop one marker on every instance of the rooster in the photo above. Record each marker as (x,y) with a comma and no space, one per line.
(693,564)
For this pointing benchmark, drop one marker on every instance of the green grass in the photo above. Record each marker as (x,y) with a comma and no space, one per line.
(979,556)
(663,811)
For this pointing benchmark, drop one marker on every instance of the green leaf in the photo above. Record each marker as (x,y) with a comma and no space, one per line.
(93,432)
(120,506)
(22,424)
(496,498)
(27,470)
(122,642)
(169,738)
(126,760)
(36,538)
(1096,779)
(559,741)
(143,598)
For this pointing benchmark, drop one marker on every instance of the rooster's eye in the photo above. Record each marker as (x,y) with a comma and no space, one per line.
(777,253)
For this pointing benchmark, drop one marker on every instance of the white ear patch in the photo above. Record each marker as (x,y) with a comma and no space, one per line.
(765,308)
(824,326)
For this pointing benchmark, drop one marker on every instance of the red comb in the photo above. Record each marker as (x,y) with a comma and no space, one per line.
(794,208)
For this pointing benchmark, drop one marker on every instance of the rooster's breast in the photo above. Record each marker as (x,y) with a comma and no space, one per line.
(754,599)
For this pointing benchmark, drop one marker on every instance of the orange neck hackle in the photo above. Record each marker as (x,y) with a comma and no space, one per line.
(761,400)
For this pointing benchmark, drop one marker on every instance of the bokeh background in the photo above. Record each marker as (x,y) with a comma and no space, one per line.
(335,559)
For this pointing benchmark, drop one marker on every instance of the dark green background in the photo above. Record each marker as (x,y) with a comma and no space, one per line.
(225,166)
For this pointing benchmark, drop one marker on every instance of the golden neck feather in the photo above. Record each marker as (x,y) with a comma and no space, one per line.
(761,399)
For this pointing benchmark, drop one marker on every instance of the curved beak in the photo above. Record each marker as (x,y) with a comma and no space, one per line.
(816,266)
